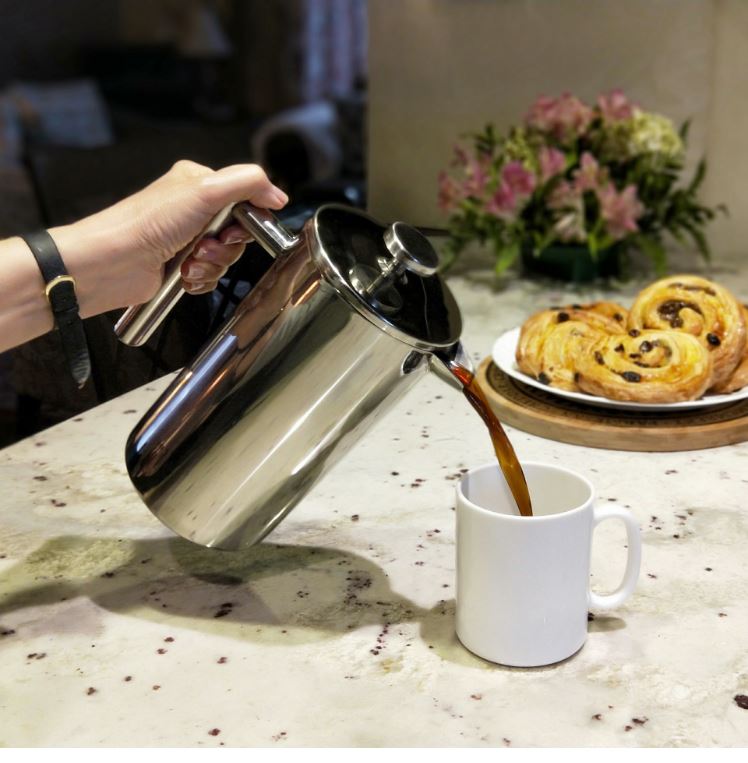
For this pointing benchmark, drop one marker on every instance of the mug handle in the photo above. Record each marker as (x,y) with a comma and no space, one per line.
(633,561)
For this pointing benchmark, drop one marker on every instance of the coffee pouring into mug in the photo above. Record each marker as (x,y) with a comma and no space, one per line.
(349,317)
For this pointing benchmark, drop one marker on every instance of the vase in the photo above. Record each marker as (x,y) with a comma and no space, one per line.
(570,262)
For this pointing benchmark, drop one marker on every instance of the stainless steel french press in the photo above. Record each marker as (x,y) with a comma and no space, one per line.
(349,316)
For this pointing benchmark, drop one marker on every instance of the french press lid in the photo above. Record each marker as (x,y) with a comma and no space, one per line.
(388,273)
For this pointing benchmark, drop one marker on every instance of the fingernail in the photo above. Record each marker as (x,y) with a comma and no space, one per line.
(189,287)
(195,271)
(201,253)
(280,197)
(235,239)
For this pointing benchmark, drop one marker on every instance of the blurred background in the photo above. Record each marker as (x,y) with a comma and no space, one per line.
(99,97)
(439,69)
(341,100)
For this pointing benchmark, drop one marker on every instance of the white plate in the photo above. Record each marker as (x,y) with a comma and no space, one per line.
(503,355)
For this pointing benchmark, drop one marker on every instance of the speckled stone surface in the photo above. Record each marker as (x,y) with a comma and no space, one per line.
(339,629)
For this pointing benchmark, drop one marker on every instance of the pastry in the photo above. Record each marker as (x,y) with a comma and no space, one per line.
(699,307)
(649,367)
(739,377)
(561,349)
(607,317)
(611,310)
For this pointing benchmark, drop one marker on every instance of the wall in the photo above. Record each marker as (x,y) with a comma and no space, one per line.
(439,68)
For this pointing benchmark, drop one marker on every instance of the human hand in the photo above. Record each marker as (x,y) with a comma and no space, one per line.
(117,255)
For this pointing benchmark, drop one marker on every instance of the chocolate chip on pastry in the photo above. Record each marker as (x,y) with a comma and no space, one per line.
(560,351)
(699,307)
(607,317)
(654,367)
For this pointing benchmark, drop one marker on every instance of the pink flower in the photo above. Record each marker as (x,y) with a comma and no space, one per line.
(563,195)
(614,106)
(476,177)
(516,186)
(474,168)
(590,176)
(620,210)
(503,203)
(518,178)
(552,162)
(565,118)
(542,113)
(450,193)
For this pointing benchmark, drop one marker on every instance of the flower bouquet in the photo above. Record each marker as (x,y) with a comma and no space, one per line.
(599,178)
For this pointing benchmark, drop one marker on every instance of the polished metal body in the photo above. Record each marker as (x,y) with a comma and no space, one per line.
(303,367)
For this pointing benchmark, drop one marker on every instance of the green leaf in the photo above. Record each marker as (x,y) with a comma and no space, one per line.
(506,256)
(592,245)
(677,234)
(698,176)
(699,239)
(446,262)
(684,128)
(486,141)
(542,242)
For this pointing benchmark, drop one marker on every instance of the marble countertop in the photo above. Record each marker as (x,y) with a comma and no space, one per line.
(338,630)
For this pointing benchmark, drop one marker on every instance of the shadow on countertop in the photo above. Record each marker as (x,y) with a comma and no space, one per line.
(275,594)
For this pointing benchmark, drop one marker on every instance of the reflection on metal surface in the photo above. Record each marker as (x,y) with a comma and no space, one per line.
(278,396)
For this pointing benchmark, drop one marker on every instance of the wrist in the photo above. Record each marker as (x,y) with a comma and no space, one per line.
(60,293)
(97,259)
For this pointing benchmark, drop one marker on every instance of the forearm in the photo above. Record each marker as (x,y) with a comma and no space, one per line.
(24,310)
(117,256)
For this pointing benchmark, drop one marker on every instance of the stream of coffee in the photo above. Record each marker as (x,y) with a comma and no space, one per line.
(505,454)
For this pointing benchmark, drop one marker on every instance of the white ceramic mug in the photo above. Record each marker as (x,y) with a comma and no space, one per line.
(523,589)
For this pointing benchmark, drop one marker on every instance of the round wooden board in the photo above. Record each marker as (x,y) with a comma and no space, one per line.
(547,415)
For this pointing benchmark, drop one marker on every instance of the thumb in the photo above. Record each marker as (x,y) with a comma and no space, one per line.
(242,182)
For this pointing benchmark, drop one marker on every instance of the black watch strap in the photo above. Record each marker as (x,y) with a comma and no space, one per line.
(60,291)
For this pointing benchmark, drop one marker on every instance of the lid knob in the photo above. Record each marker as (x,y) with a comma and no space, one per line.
(410,250)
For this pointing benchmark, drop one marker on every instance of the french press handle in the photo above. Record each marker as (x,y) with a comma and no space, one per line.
(137,323)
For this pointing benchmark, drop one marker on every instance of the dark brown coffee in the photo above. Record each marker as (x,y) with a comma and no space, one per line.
(505,454)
